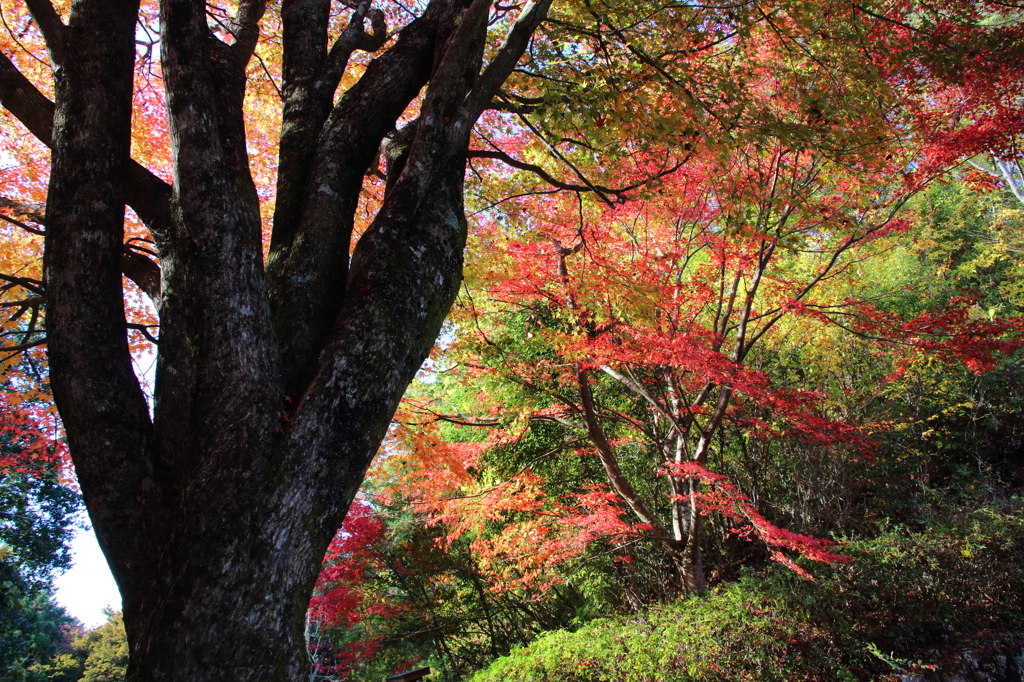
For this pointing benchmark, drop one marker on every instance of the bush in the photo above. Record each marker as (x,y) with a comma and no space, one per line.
(904,597)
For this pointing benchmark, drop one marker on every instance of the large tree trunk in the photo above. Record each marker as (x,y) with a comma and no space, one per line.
(274,387)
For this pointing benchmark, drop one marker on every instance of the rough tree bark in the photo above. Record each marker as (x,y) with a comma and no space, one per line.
(274,386)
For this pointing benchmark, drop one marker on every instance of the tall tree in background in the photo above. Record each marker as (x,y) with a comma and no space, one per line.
(274,385)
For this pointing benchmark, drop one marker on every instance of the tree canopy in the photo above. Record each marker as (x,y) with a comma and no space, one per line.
(671,208)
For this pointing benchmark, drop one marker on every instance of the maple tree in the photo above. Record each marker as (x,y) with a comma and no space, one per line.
(638,349)
(299,282)
(339,601)
(392,597)
(656,307)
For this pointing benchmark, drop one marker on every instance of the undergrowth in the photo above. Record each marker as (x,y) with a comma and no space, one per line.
(905,599)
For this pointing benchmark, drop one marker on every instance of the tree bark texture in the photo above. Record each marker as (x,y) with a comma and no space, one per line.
(276,385)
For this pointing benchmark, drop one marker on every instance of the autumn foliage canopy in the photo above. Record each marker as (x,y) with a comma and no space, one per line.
(687,232)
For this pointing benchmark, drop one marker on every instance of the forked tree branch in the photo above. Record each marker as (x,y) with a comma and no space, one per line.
(324,151)
(508,55)
(33,285)
(642,391)
(144,330)
(353,38)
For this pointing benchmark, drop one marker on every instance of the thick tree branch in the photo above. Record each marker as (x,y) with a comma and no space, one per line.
(311,77)
(404,278)
(405,273)
(353,38)
(304,42)
(94,385)
(443,128)
(148,195)
(309,253)
(53,29)
(246,28)
(150,198)
(21,98)
(214,255)
(306,108)
(144,272)
(508,55)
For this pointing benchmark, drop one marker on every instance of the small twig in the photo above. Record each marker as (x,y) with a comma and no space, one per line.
(144,330)
(18,223)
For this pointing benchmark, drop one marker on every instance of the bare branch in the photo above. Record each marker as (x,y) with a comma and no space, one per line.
(462,420)
(619,192)
(642,391)
(18,348)
(22,225)
(501,104)
(270,78)
(33,285)
(543,174)
(24,304)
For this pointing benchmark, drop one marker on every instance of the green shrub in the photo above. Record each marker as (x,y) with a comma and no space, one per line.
(903,598)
